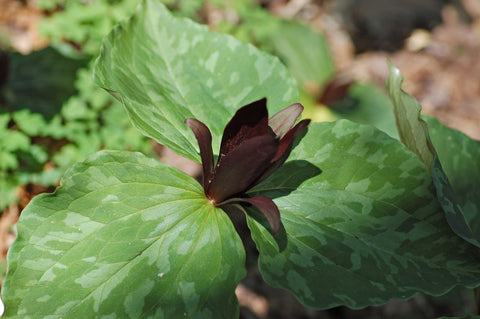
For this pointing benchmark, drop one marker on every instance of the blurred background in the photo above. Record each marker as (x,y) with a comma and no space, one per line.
(52,115)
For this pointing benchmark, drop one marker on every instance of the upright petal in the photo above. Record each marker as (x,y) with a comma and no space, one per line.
(268,208)
(283,151)
(249,121)
(204,139)
(284,120)
(236,170)
(286,143)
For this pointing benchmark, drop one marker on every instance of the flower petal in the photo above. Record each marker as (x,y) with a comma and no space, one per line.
(249,121)
(268,208)
(204,139)
(236,170)
(283,151)
(336,90)
(284,120)
(286,143)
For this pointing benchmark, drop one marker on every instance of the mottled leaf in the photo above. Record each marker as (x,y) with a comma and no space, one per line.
(166,69)
(456,175)
(412,131)
(124,237)
(361,223)
(462,165)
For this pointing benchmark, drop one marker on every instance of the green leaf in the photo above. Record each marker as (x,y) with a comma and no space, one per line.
(13,140)
(166,69)
(125,237)
(361,223)
(8,187)
(412,131)
(31,123)
(456,175)
(80,26)
(461,213)
(304,52)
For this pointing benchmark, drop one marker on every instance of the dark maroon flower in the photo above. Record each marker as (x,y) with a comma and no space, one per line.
(253,147)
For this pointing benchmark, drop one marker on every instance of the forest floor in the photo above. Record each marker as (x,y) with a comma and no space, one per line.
(441,68)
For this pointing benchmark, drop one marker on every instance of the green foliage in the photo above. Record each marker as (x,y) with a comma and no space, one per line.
(307,58)
(11,143)
(452,159)
(56,114)
(126,236)
(305,53)
(50,4)
(79,27)
(54,126)
(412,131)
(213,80)
(458,160)
(248,22)
(64,117)
(366,223)
(83,23)
(367,104)
(303,50)
(40,81)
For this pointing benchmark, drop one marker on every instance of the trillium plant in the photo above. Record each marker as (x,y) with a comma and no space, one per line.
(252,148)
(340,213)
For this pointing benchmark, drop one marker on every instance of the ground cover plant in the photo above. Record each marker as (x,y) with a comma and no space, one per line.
(361,216)
(50,123)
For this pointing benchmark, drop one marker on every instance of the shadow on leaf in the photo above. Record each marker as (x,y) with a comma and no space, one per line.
(287,179)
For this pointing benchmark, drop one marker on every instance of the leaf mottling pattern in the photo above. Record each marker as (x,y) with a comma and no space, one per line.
(107,243)
(165,69)
(361,223)
(452,160)
(456,174)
